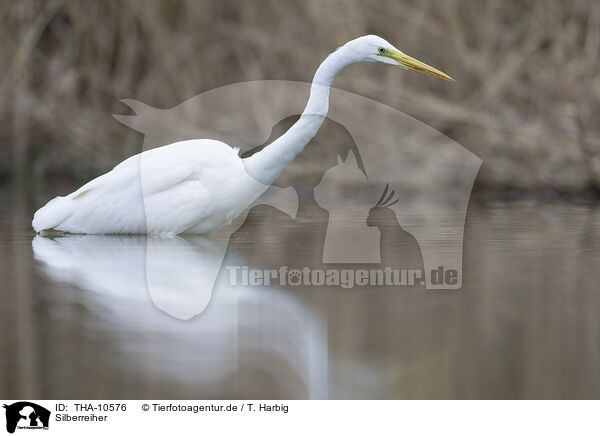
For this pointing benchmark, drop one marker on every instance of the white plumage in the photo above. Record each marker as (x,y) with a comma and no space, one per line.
(190,186)
(201,185)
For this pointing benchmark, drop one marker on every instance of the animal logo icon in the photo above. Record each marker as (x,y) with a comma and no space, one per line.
(358,232)
(397,244)
(26,415)
(348,238)
(432,174)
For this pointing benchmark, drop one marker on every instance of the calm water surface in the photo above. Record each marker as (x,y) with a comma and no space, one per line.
(100,317)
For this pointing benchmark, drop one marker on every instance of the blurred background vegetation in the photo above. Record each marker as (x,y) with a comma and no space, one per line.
(526,323)
(526,99)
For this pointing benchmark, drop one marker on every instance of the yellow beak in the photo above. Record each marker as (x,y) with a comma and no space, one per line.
(415,65)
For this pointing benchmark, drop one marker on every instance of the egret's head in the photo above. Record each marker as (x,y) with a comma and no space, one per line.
(372,48)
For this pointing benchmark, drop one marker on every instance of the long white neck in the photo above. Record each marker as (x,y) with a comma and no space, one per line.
(266,165)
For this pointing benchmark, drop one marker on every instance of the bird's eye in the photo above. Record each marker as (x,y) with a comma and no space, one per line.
(381,50)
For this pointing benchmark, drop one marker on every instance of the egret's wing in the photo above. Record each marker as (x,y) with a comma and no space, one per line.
(187,185)
(112,198)
(174,180)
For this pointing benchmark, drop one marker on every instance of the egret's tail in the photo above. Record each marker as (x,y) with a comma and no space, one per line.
(55,212)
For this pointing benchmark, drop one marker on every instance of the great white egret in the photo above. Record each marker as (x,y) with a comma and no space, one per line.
(201,185)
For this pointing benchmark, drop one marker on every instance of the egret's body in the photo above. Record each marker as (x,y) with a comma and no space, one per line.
(198,186)
(190,186)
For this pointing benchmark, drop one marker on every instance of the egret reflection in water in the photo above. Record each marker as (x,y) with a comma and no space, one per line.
(126,276)
(177,274)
